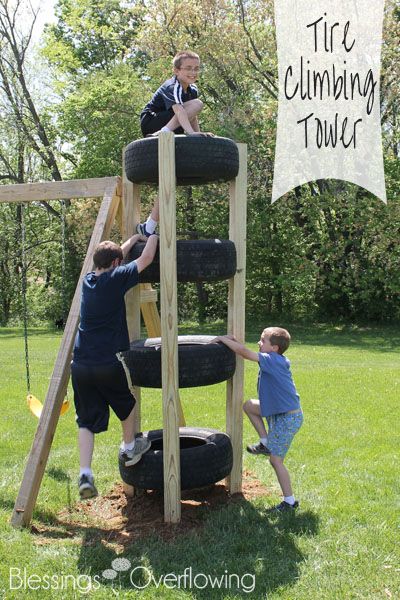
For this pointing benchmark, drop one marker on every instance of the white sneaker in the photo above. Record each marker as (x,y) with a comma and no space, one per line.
(141,229)
(87,489)
(131,457)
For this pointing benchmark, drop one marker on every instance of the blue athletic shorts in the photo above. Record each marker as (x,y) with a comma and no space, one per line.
(281,430)
(96,388)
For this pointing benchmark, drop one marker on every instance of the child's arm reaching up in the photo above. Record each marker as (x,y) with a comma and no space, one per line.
(237,347)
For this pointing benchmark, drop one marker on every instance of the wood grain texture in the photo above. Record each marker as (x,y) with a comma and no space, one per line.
(129,219)
(236,316)
(56,190)
(147,294)
(169,327)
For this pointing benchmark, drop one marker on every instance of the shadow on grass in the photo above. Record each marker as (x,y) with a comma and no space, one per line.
(43,516)
(58,474)
(62,476)
(238,548)
(40,514)
(241,551)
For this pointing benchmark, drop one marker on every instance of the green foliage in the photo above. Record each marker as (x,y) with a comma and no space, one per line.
(90,35)
(325,250)
(100,117)
(49,290)
(9,259)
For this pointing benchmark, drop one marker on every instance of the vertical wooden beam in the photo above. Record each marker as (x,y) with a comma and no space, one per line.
(169,327)
(39,453)
(236,316)
(153,326)
(130,218)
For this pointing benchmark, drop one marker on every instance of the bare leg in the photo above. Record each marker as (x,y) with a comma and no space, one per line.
(155,211)
(86,445)
(192,109)
(174,123)
(195,123)
(128,427)
(282,474)
(252,410)
(153,218)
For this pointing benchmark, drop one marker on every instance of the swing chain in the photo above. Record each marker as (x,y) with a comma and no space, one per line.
(24,290)
(63,241)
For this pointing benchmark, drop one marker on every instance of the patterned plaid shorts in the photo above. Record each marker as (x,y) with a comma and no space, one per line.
(281,430)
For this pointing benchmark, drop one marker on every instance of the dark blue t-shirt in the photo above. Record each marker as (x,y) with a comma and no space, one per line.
(103,330)
(276,390)
(168,94)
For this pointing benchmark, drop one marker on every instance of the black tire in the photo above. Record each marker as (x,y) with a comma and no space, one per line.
(198,160)
(205,458)
(199,362)
(197,260)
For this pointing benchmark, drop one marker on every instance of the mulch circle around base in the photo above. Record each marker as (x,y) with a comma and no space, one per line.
(120,520)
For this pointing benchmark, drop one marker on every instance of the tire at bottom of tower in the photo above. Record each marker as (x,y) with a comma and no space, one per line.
(205,458)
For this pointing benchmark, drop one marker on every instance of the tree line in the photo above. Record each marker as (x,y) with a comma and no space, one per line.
(326,250)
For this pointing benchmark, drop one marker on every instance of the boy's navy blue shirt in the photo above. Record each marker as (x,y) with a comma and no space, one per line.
(169,93)
(103,330)
(276,390)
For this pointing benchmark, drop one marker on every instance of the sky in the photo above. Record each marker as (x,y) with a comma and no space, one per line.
(46,15)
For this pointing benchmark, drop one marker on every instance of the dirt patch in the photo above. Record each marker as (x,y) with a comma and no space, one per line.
(118,520)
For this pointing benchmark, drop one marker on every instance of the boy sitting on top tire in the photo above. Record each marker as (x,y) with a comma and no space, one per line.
(175,106)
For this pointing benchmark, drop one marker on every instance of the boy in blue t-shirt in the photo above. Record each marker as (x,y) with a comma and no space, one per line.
(278,402)
(175,105)
(99,378)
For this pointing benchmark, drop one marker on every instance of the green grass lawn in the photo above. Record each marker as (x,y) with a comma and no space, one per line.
(342,543)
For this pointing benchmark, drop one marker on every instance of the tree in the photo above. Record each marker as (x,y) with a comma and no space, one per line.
(91,35)
(17,97)
(327,249)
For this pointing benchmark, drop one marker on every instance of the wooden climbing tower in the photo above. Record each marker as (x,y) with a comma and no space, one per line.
(121,203)
(169,320)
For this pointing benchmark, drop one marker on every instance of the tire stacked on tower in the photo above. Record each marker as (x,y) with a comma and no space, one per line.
(205,454)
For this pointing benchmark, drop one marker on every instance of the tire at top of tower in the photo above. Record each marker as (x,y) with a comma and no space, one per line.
(198,160)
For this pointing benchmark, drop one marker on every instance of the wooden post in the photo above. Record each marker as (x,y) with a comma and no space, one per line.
(39,453)
(130,217)
(169,327)
(236,317)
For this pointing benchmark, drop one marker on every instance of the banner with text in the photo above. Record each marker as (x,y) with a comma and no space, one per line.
(329,106)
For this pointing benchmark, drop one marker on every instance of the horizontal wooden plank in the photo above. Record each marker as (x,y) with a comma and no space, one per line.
(57,190)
